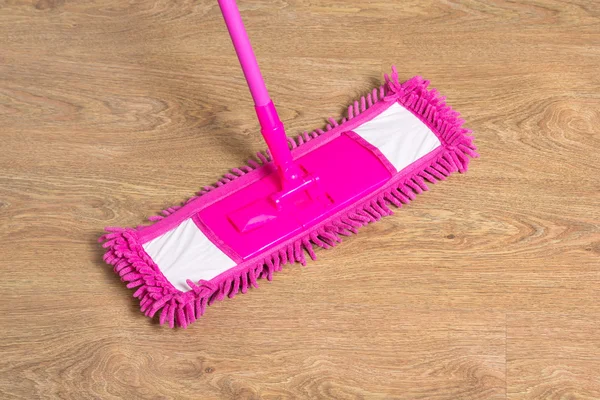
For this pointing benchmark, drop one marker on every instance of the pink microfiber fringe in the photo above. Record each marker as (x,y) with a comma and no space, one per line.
(158,296)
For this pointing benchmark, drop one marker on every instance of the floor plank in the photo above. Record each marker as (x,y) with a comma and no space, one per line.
(553,356)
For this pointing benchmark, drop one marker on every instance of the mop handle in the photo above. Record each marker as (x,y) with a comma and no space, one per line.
(271,126)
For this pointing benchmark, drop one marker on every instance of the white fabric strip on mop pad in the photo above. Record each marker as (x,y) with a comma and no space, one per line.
(186,253)
(399,135)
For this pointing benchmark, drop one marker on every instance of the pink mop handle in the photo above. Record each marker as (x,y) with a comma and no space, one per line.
(271,126)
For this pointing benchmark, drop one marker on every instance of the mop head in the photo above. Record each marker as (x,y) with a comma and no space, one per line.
(220,242)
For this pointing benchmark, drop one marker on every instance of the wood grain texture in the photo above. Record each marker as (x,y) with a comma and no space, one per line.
(486,287)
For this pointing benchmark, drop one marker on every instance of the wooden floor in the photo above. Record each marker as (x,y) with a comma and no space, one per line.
(486,287)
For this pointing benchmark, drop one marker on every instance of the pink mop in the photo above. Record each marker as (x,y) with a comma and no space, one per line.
(301,193)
